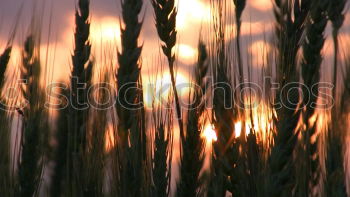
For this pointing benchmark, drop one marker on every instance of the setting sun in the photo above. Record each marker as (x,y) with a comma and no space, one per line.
(105,29)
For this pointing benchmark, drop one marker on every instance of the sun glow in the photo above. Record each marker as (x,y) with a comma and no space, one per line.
(158,87)
(109,138)
(190,11)
(105,29)
(186,53)
(238,129)
(209,133)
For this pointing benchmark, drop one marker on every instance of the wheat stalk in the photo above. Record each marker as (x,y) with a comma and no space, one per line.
(281,179)
(33,126)
(131,129)
(80,77)
(94,157)
(337,17)
(192,154)
(239,7)
(224,155)
(162,152)
(311,62)
(289,35)
(335,175)
(165,16)
(4,60)
(5,158)
(58,177)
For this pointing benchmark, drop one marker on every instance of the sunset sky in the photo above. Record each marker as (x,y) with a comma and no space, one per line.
(193,16)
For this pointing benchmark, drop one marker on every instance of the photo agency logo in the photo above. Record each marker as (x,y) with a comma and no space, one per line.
(246,95)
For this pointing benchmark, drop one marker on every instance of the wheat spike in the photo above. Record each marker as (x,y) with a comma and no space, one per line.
(80,78)
(165,17)
(34,125)
(162,153)
(311,63)
(130,119)
(281,179)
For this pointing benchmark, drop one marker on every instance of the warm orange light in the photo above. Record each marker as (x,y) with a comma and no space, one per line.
(109,138)
(238,129)
(105,29)
(158,87)
(186,53)
(209,133)
(190,11)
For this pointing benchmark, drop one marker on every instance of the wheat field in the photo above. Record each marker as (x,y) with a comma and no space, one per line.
(175,98)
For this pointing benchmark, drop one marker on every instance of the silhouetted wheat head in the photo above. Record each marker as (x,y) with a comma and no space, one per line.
(165,16)
(80,77)
(131,146)
(33,121)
